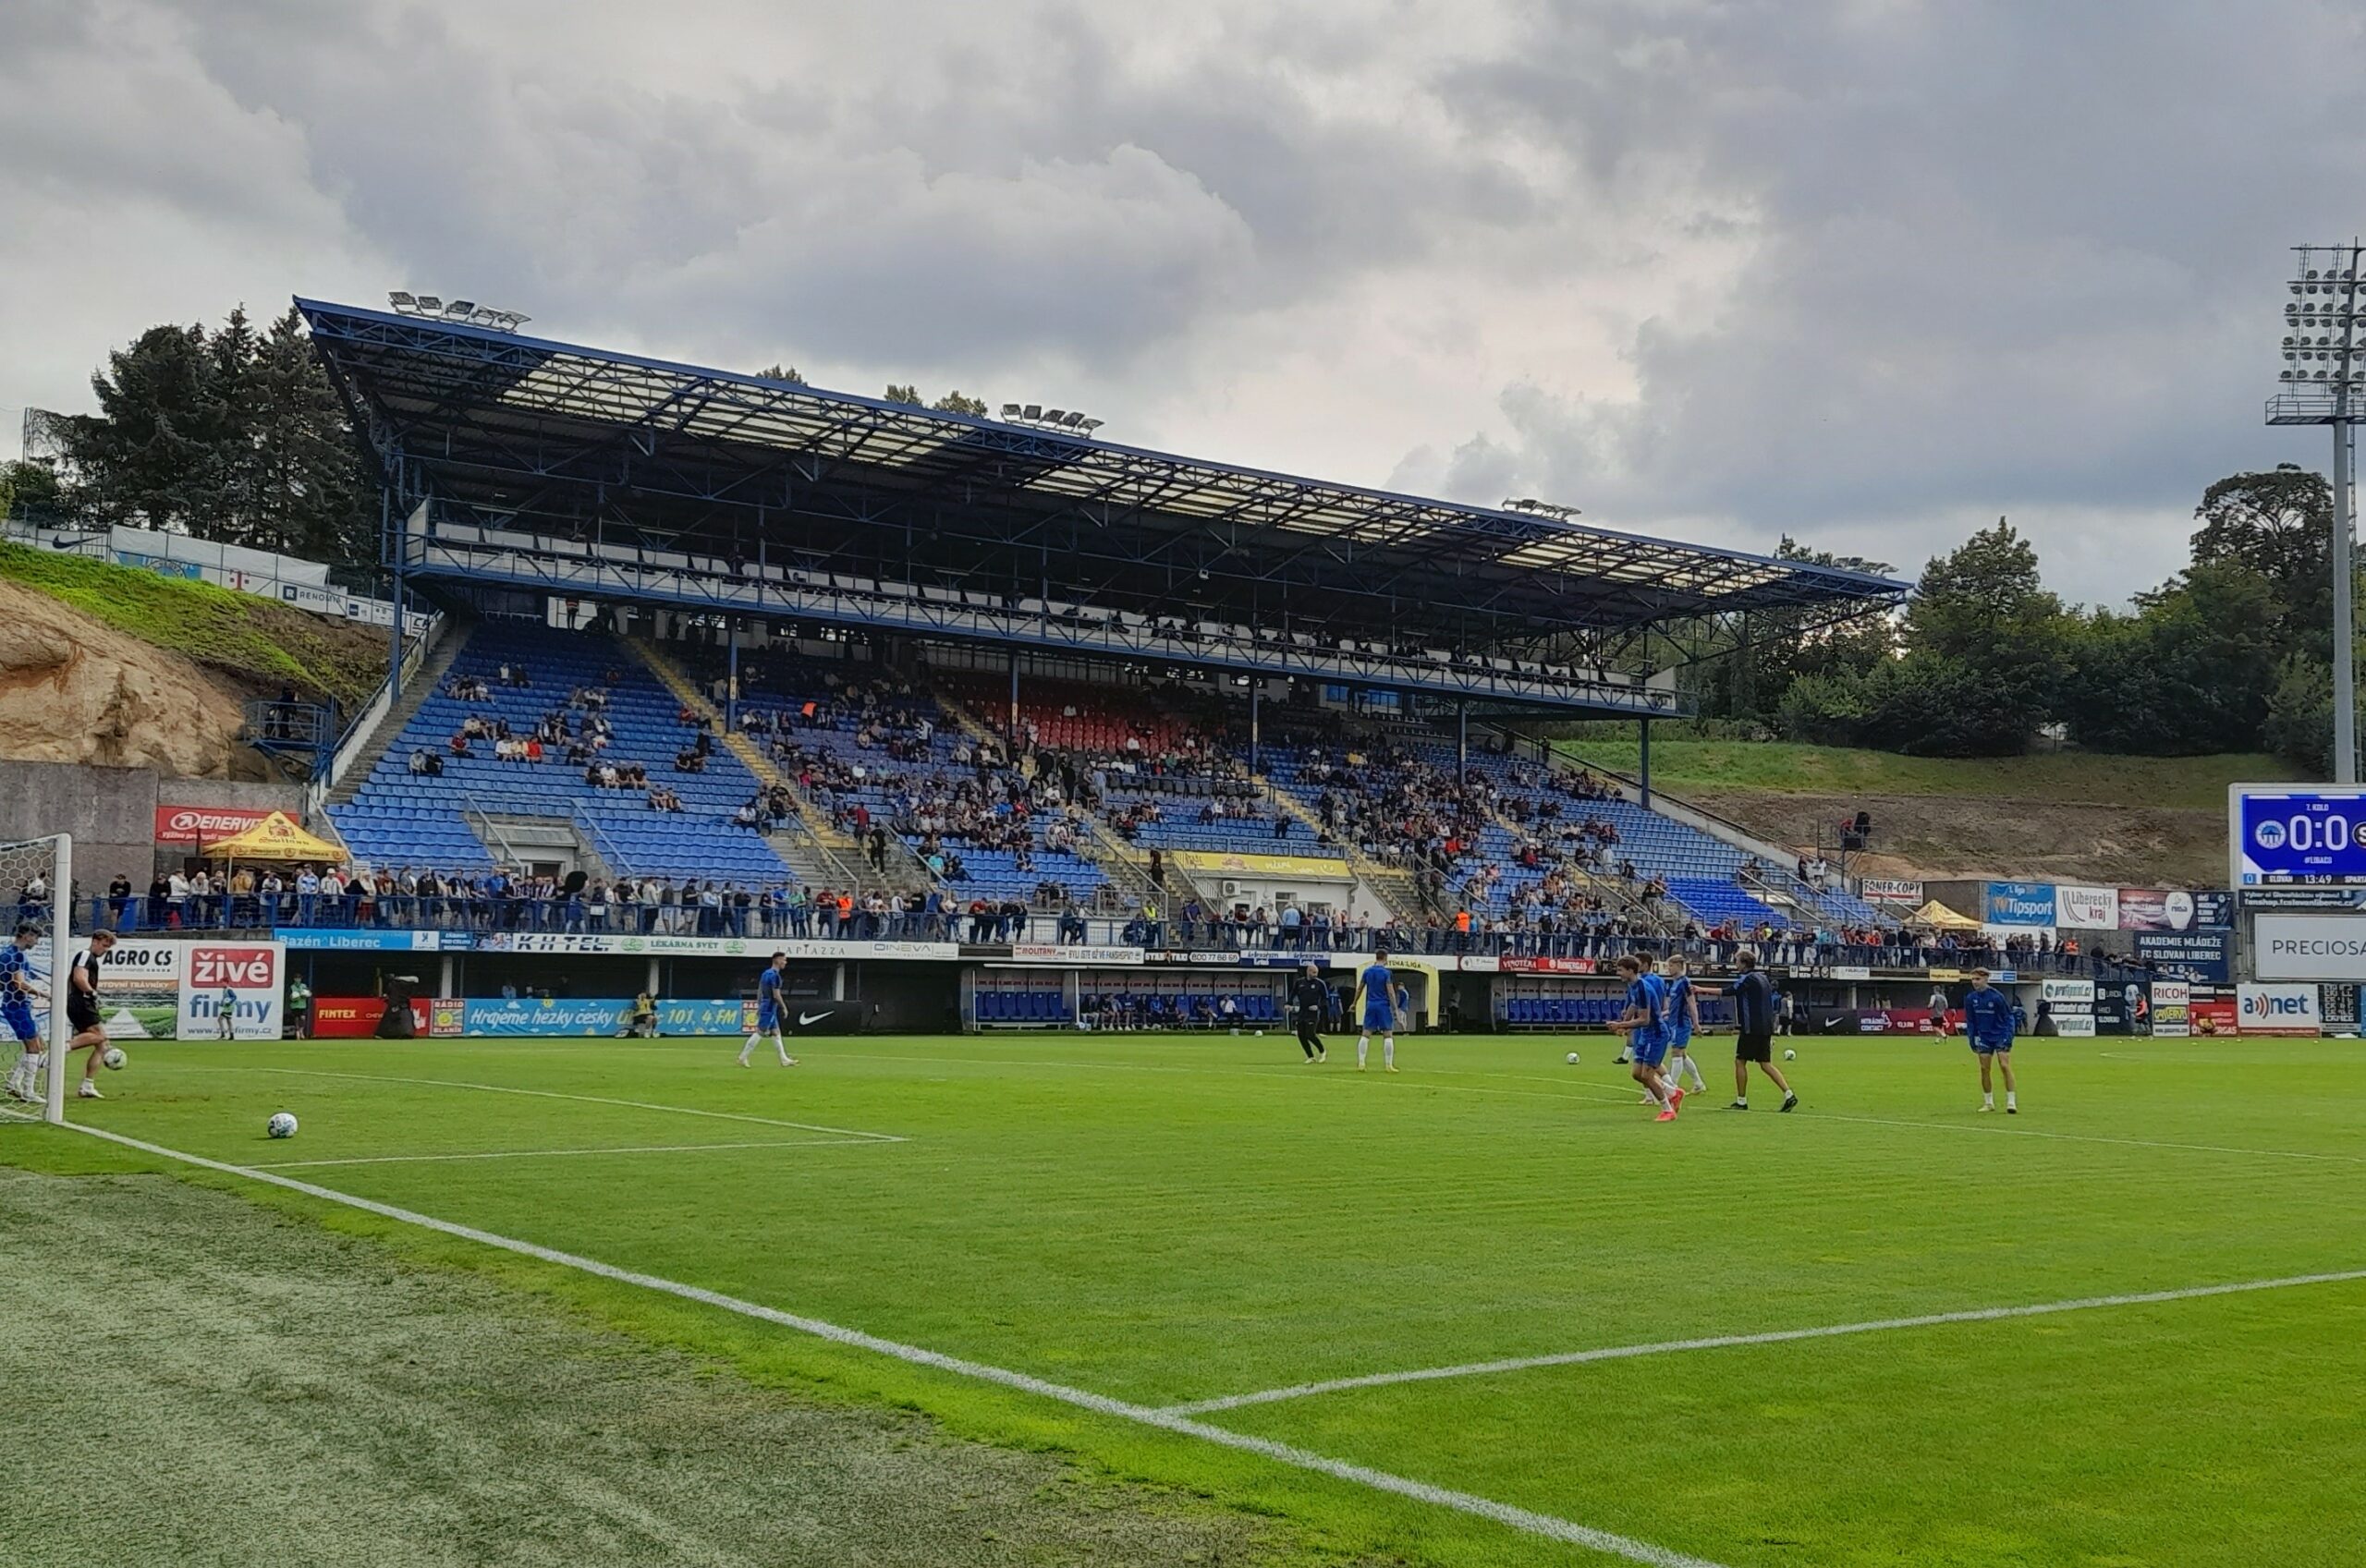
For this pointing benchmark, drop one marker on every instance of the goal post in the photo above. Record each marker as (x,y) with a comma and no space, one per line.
(37,891)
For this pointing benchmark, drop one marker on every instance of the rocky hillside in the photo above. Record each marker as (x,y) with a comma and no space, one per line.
(124,668)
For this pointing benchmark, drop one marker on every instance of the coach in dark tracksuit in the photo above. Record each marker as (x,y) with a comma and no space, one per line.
(1311,1000)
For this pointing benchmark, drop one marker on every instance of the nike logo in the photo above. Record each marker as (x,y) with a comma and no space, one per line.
(805,1019)
(1835,1022)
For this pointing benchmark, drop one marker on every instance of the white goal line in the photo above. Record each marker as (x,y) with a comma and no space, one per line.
(1545,1525)
(1728,1342)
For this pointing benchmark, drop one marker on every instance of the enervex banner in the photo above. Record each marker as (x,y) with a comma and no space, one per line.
(2020,904)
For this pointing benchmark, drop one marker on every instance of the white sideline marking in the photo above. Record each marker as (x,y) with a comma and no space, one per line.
(1544,1525)
(553,1153)
(1778,1336)
(2008,1130)
(855,1133)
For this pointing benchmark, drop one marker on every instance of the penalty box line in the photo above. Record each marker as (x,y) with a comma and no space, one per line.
(1776,1336)
(1545,1525)
(854,1133)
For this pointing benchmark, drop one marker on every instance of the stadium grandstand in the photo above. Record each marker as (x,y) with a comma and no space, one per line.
(730,634)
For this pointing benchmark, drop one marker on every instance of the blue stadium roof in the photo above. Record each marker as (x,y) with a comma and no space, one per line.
(498,429)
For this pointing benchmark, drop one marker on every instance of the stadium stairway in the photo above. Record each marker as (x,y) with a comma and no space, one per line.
(1127,868)
(1396,888)
(818,850)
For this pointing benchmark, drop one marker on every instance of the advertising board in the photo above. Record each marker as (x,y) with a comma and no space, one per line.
(2156,909)
(2019,903)
(242,978)
(2202,957)
(2276,1009)
(2172,1009)
(2310,947)
(2087,908)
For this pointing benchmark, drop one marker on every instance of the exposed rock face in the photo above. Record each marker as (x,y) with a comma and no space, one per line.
(73,691)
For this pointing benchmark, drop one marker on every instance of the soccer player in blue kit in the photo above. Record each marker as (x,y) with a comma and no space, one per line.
(1683,1019)
(17,995)
(768,1013)
(1646,1044)
(1380,1012)
(1988,1025)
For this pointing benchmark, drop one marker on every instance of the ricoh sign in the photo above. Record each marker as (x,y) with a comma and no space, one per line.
(2310,947)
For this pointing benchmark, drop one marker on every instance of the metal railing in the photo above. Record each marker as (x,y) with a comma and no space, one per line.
(261,914)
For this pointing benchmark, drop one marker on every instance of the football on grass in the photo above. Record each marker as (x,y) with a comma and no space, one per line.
(1789,1055)
(281,1125)
(112,1056)
(1573,1059)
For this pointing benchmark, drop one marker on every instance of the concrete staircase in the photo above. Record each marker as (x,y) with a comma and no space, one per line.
(817,849)
(1396,887)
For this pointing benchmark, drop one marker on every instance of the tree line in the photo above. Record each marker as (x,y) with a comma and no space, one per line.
(2233,654)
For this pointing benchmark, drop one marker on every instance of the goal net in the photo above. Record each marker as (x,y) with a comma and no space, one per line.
(36,898)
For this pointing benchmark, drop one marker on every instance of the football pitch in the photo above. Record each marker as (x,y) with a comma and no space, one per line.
(1482,1311)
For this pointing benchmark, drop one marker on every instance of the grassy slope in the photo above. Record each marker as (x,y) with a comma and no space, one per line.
(1165,1220)
(251,640)
(2198,782)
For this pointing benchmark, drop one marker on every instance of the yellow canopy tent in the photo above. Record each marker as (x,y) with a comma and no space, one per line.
(273,838)
(1937,917)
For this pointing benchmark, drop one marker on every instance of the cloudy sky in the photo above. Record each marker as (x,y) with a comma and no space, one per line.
(1871,274)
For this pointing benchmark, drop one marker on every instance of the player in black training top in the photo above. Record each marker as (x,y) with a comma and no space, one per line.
(1311,1000)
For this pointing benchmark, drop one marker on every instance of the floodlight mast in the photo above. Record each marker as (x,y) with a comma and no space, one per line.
(2324,365)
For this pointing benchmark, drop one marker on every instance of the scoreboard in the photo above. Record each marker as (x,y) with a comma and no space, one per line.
(2296,836)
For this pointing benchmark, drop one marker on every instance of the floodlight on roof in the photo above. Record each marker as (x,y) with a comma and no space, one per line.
(466,310)
(1532,505)
(1065,421)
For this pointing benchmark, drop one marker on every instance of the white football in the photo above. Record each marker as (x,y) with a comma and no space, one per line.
(1260,1034)
(1789,1055)
(112,1056)
(281,1125)
(1573,1059)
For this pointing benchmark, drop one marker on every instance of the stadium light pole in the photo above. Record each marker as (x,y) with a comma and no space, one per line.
(2324,366)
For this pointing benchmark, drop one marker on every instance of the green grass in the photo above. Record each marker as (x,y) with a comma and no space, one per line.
(2062,776)
(1169,1221)
(235,632)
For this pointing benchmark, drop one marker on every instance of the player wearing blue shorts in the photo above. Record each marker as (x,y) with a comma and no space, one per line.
(1988,1025)
(768,1011)
(1682,1018)
(17,995)
(1380,1012)
(1646,1044)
